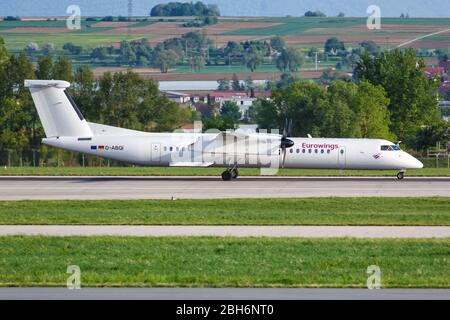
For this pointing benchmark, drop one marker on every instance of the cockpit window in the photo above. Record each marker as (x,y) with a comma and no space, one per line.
(390,148)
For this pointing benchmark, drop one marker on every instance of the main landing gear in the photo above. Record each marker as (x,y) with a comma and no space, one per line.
(231,173)
(401,175)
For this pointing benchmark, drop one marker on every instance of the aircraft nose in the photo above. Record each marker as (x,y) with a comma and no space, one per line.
(413,163)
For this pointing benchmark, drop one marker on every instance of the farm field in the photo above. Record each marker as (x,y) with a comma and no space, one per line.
(301,32)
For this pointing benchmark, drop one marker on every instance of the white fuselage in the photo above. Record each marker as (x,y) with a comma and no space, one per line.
(189,149)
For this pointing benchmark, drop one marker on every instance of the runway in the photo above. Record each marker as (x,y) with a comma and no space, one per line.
(220,294)
(231,231)
(107,188)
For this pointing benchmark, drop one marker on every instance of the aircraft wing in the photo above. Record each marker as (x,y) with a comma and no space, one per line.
(190,164)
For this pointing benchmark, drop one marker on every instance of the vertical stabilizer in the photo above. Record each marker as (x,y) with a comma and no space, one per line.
(58,112)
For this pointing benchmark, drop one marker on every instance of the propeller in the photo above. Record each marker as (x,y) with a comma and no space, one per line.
(285,142)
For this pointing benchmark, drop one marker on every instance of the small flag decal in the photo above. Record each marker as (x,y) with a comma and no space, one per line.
(101,148)
(93,147)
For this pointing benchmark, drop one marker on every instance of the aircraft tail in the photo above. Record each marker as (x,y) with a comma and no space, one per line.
(58,112)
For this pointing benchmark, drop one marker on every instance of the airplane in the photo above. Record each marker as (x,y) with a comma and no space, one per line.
(66,128)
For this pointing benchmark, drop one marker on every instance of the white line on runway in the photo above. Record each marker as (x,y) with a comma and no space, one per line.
(232,231)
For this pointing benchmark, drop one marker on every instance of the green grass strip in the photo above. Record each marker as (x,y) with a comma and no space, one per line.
(223,262)
(298,211)
(176,171)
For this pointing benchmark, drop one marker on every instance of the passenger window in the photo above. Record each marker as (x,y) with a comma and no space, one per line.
(316,151)
(171,149)
(298,150)
(165,148)
(303,150)
(309,150)
(328,151)
(342,151)
(322,151)
(291,150)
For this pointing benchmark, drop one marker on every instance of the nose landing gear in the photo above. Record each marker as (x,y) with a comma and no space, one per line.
(401,175)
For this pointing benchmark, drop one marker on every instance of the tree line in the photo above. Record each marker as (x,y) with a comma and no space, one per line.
(179,9)
(193,48)
(389,98)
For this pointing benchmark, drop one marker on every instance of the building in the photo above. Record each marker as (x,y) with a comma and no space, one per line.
(431,72)
(445,65)
(179,97)
(242,99)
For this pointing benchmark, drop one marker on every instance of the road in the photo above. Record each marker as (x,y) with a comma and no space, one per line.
(221,294)
(107,188)
(231,231)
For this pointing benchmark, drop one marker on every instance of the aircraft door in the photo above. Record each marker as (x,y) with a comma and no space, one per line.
(342,158)
(156,152)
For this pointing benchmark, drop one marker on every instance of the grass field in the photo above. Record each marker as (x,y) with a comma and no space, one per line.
(225,262)
(314,211)
(301,32)
(179,171)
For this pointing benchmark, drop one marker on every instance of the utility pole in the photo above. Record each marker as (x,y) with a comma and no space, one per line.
(316,53)
(130,14)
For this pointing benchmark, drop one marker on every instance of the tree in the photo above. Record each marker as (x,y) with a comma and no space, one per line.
(223,84)
(370,46)
(232,50)
(428,136)
(373,111)
(99,53)
(341,15)
(266,114)
(84,91)
(62,69)
(412,96)
(197,62)
(253,59)
(333,45)
(48,49)
(315,14)
(277,43)
(31,48)
(184,9)
(249,85)
(340,115)
(290,59)
(73,49)
(165,59)
(235,83)
(230,111)
(44,68)
(303,102)
(127,56)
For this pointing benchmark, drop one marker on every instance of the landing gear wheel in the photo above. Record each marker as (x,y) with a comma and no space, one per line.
(400,175)
(226,175)
(234,174)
